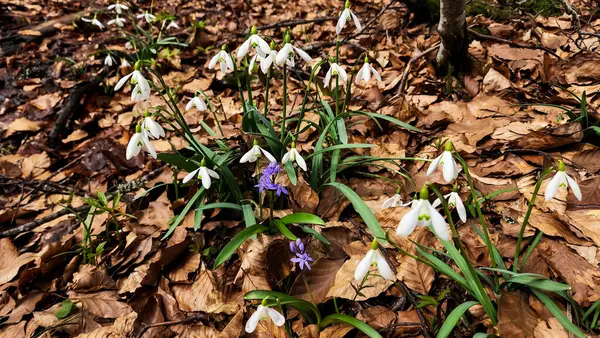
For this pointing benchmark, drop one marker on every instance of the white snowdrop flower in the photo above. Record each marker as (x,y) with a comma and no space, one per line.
(263,312)
(253,41)
(454,201)
(561,180)
(373,257)
(117,21)
(172,25)
(109,60)
(422,213)
(266,61)
(365,72)
(119,8)
(450,169)
(335,70)
(203,174)
(141,91)
(394,201)
(224,60)
(124,63)
(255,153)
(139,142)
(94,22)
(152,128)
(128,45)
(252,62)
(288,52)
(294,156)
(196,102)
(146,16)
(345,17)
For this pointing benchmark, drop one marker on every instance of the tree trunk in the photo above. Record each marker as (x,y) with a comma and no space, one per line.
(453,33)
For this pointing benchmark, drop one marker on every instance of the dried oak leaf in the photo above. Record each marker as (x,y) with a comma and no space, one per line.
(121,328)
(588,159)
(549,138)
(336,331)
(551,328)
(378,317)
(573,269)
(104,304)
(515,317)
(11,260)
(158,213)
(234,327)
(24,306)
(302,197)
(278,259)
(205,296)
(92,278)
(320,278)
(254,260)
(22,124)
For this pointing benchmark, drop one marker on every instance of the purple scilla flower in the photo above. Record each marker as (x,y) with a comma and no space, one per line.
(303,260)
(272,169)
(297,246)
(266,180)
(280,189)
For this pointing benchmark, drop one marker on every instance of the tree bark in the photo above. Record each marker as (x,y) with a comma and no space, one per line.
(453,33)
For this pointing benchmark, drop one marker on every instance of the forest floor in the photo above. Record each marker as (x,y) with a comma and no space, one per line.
(531,98)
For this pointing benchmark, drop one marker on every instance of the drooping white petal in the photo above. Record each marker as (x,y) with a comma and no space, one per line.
(228,61)
(342,21)
(363,266)
(449,167)
(134,146)
(212,173)
(327,78)
(154,129)
(384,268)
(342,74)
(409,221)
(376,74)
(454,198)
(276,317)
(266,63)
(283,54)
(300,160)
(205,177)
(122,81)
(286,157)
(243,50)
(553,185)
(573,184)
(389,203)
(439,224)
(251,155)
(434,164)
(190,176)
(268,155)
(252,322)
(263,46)
(303,54)
(436,203)
(214,60)
(356,22)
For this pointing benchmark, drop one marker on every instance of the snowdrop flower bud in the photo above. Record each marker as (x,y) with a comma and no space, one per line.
(138,142)
(224,60)
(94,22)
(146,16)
(334,70)
(124,63)
(204,174)
(263,312)
(365,72)
(253,41)
(196,102)
(450,169)
(345,17)
(118,21)
(373,257)
(287,53)
(454,201)
(152,128)
(562,180)
(294,156)
(255,153)
(119,8)
(422,213)
(109,60)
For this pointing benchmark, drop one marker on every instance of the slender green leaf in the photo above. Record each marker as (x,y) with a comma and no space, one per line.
(363,210)
(302,218)
(558,314)
(178,161)
(236,242)
(291,172)
(340,318)
(222,205)
(184,212)
(393,120)
(339,147)
(315,234)
(341,127)
(284,230)
(453,318)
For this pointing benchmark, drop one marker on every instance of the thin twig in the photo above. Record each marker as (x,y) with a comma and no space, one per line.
(511,43)
(406,71)
(292,23)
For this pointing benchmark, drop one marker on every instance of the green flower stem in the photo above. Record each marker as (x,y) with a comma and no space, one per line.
(306,93)
(214,113)
(239,84)
(267,84)
(284,113)
(538,185)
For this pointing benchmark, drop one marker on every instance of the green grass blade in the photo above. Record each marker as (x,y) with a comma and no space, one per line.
(236,242)
(453,319)
(558,314)
(340,318)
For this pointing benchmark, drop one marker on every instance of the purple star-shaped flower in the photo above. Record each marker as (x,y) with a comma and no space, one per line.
(303,260)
